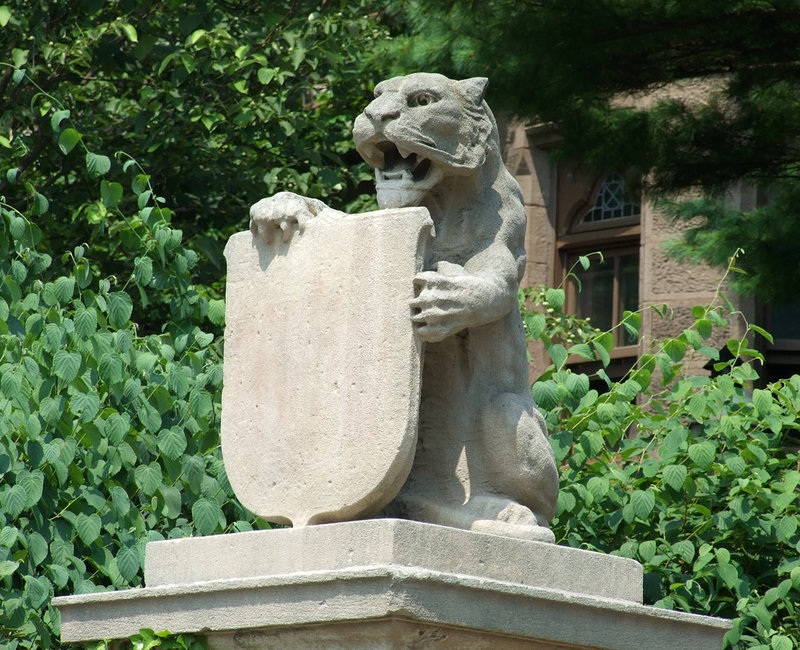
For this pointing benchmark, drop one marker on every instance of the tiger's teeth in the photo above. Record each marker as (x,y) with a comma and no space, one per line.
(405,153)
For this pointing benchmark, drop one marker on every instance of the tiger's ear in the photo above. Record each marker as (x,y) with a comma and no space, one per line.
(473,89)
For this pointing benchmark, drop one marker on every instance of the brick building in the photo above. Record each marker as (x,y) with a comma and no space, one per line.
(571,213)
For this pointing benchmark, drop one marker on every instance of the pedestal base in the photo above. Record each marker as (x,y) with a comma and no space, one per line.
(386,583)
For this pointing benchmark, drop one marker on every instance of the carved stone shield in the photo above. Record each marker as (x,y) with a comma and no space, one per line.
(322,367)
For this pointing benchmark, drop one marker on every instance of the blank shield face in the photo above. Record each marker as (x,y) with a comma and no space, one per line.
(322,367)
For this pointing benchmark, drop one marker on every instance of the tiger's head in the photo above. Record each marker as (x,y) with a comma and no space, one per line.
(420,129)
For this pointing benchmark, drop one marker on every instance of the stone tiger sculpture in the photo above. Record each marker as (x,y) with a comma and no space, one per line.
(483,461)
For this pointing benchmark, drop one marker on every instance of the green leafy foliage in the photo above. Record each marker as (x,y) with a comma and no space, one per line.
(696,477)
(147,639)
(222,103)
(109,435)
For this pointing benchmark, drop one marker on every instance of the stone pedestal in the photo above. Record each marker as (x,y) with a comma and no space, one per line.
(386,583)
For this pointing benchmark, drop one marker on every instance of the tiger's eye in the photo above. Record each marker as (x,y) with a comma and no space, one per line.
(421,99)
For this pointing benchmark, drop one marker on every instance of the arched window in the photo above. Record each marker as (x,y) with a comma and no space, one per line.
(611,203)
(601,217)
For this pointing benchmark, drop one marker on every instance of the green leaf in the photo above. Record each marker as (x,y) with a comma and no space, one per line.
(786,528)
(32,483)
(704,327)
(40,204)
(702,454)
(577,384)
(8,536)
(674,476)
(111,193)
(216,312)
(148,478)
(642,502)
(97,164)
(85,322)
(200,403)
(142,271)
(545,394)
(110,368)
(598,486)
(120,308)
(206,515)
(130,32)
(88,527)
(7,568)
(37,591)
(265,75)
(632,322)
(58,574)
(64,289)
(5,15)
(149,417)
(120,500)
(535,323)
(781,642)
(558,354)
(172,501)
(85,406)
(697,407)
(674,349)
(561,442)
(128,562)
(647,550)
(55,122)
(684,549)
(555,298)
(602,353)
(172,442)
(51,409)
(566,502)
(193,471)
(195,36)
(591,442)
(13,499)
(582,350)
(37,547)
(68,139)
(762,400)
(736,464)
(66,365)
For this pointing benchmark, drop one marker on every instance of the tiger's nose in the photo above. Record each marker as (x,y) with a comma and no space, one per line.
(382,110)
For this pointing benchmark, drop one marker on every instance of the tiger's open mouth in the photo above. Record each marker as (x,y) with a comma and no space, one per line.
(400,166)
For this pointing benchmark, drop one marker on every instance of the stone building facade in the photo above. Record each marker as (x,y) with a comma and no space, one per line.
(571,213)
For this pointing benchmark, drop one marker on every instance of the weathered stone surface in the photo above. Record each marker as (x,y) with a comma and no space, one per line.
(388,584)
(385,542)
(322,366)
(483,461)
(667,276)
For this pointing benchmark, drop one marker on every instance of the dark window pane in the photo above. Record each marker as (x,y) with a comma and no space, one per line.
(596,300)
(784,322)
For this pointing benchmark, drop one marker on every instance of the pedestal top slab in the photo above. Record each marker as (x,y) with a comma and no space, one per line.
(392,542)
